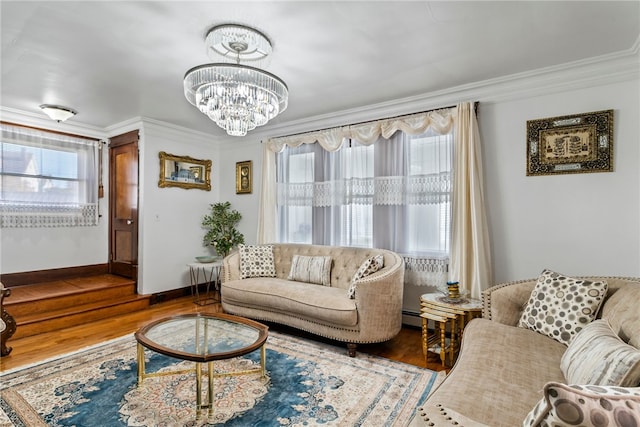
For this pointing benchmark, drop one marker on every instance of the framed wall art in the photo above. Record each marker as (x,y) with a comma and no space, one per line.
(244,179)
(577,143)
(184,172)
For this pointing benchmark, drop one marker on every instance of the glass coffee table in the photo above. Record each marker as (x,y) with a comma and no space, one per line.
(202,338)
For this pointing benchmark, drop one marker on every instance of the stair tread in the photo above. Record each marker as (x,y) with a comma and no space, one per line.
(82,308)
(61,288)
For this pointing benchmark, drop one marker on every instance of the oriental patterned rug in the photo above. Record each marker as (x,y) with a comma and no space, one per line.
(311,384)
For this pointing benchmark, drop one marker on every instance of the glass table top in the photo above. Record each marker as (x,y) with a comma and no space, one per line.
(203,337)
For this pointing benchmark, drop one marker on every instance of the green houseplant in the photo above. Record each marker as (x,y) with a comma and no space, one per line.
(221,223)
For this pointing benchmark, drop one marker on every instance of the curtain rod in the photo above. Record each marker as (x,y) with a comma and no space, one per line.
(50,131)
(475,109)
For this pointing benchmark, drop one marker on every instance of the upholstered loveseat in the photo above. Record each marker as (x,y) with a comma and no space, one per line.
(349,302)
(505,370)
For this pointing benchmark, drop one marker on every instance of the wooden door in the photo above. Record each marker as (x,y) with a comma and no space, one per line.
(123,205)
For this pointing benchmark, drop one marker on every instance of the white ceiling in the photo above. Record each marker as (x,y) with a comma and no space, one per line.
(116,60)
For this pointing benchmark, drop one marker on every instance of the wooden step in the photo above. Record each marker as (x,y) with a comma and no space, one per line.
(28,300)
(50,306)
(78,315)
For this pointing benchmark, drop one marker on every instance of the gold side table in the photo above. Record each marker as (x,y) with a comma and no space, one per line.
(446,312)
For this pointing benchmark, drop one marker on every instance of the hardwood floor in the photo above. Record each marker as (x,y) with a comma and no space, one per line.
(405,347)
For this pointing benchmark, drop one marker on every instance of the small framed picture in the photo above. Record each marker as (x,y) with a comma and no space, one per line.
(244,179)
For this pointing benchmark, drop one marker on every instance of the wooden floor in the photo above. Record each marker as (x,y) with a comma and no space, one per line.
(406,347)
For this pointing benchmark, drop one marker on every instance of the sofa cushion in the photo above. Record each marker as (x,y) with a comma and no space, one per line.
(322,303)
(311,269)
(586,406)
(560,306)
(499,373)
(598,356)
(621,310)
(256,261)
(368,266)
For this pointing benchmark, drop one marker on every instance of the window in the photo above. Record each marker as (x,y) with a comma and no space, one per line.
(47,179)
(394,194)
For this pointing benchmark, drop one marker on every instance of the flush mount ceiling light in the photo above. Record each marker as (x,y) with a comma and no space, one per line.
(57,112)
(238,98)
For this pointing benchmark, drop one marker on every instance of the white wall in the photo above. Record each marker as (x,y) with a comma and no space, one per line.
(170,218)
(247,204)
(577,224)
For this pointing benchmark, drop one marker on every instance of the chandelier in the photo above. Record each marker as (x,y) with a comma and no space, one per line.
(238,98)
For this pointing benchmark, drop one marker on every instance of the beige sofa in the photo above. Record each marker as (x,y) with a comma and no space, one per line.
(374,315)
(502,369)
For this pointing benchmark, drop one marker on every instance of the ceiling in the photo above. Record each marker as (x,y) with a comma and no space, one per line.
(116,60)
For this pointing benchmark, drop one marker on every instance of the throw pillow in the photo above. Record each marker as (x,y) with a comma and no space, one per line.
(586,406)
(598,356)
(369,266)
(560,306)
(256,261)
(311,269)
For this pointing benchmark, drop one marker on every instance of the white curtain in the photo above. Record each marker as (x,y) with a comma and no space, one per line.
(331,140)
(47,179)
(470,249)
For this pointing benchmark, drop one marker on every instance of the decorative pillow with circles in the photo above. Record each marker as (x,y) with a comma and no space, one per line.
(560,306)
(369,266)
(586,406)
(256,261)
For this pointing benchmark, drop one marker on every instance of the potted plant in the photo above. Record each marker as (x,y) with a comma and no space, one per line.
(220,223)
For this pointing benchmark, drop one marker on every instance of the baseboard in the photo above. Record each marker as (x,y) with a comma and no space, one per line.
(179,293)
(52,275)
(411,318)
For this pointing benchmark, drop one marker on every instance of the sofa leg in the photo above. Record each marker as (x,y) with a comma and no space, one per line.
(351,347)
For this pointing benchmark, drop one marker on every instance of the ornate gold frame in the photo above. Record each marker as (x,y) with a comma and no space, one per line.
(184,172)
(244,177)
(577,143)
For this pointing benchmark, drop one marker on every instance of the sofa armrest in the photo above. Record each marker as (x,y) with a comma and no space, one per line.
(505,302)
(379,299)
(439,415)
(230,267)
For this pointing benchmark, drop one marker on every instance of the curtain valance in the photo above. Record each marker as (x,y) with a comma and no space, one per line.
(367,133)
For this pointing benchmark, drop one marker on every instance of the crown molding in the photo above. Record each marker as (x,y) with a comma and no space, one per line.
(597,71)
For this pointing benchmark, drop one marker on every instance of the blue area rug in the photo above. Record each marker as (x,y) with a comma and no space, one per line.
(310,384)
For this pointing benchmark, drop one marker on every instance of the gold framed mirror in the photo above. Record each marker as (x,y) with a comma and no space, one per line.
(184,172)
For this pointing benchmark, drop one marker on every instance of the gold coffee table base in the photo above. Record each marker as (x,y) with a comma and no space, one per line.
(142,375)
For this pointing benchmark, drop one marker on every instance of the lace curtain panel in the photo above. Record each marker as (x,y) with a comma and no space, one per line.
(47,179)
(392,192)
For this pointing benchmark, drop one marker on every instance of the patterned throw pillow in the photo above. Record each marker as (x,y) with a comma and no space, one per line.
(311,269)
(256,261)
(560,306)
(369,266)
(586,406)
(598,356)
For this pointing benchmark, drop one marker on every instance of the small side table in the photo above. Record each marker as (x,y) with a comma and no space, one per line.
(210,273)
(443,311)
